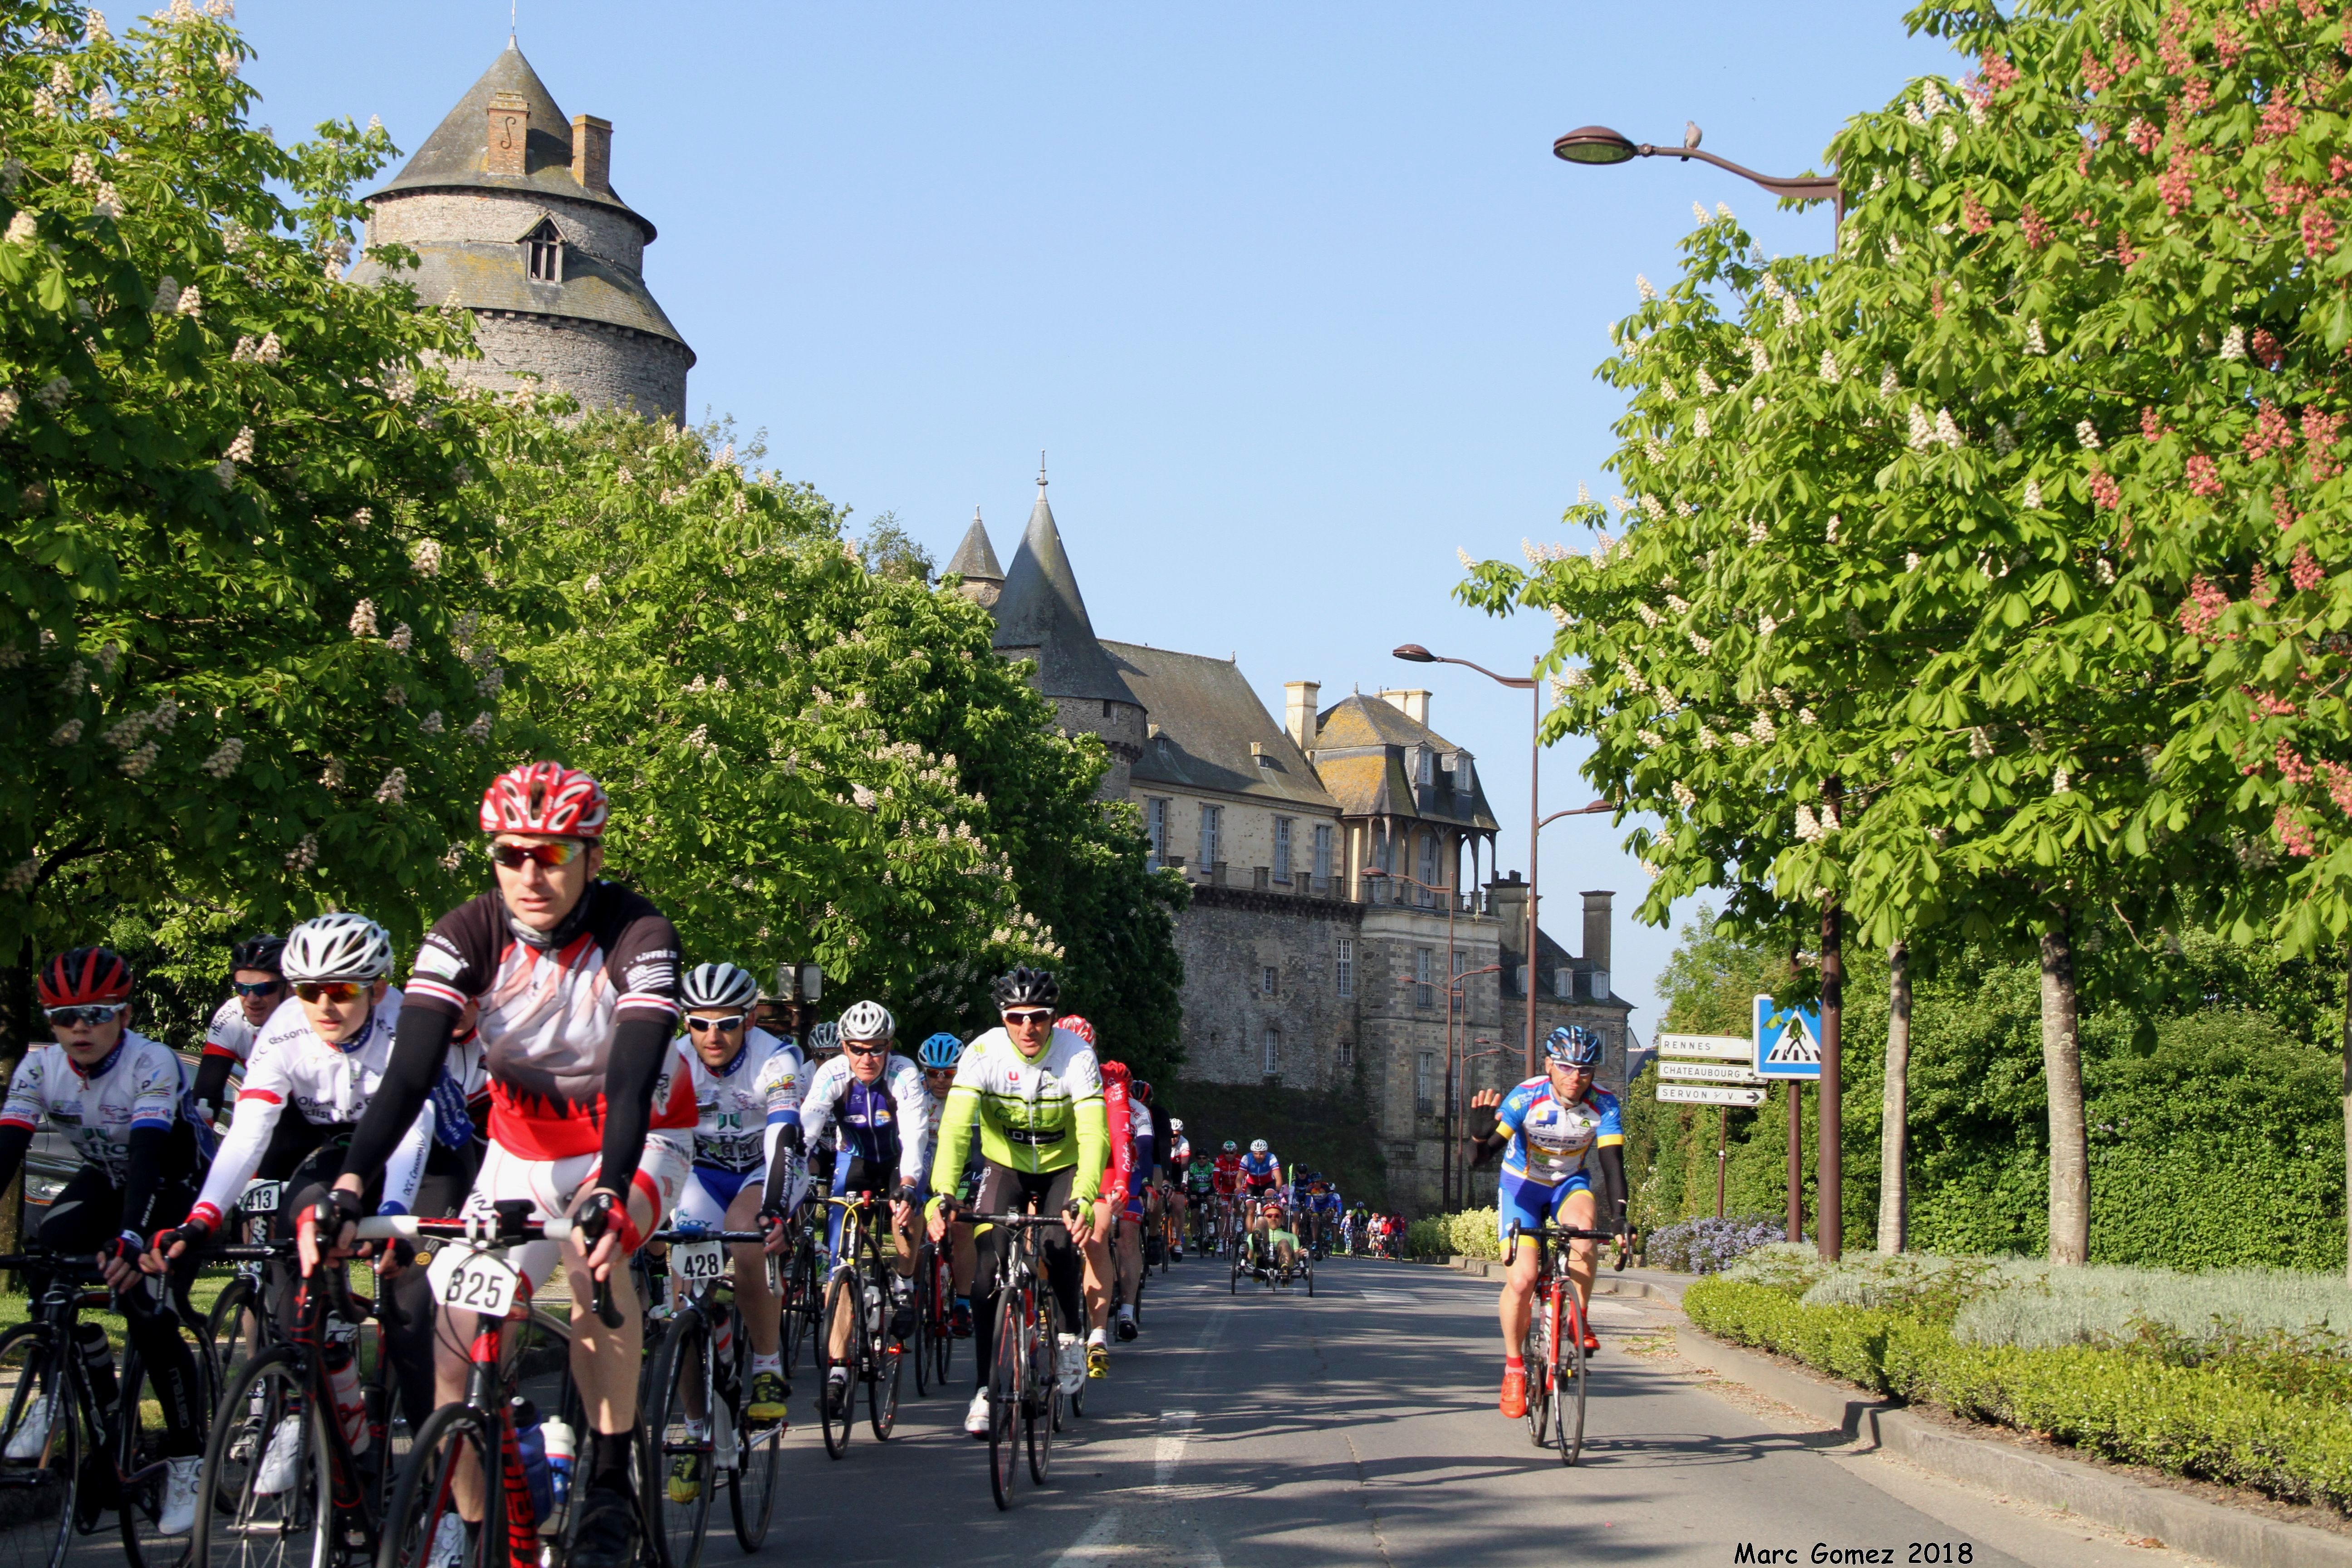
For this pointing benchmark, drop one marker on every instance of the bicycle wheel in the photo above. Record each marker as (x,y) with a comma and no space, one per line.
(1005,1398)
(943,1321)
(37,1491)
(1045,1411)
(759,1449)
(263,1500)
(140,1454)
(679,1419)
(841,1304)
(236,1327)
(445,1462)
(1572,1374)
(1535,1356)
(803,1297)
(886,1356)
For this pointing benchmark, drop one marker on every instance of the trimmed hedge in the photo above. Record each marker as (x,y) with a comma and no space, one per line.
(2205,1421)
(1467,1233)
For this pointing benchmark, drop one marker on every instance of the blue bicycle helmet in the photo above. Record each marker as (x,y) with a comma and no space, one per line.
(941,1052)
(1573,1044)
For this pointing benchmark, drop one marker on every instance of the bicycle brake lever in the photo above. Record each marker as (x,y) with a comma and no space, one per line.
(608,1311)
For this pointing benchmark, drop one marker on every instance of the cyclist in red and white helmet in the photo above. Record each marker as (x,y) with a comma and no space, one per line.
(577,983)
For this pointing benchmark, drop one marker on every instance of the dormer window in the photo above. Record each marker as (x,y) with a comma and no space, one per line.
(1424,766)
(543,253)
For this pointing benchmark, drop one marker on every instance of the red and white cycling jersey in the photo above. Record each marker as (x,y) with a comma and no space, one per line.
(230,1034)
(547,1011)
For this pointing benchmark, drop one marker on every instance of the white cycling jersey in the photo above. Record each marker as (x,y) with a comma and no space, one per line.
(330,1085)
(230,1034)
(141,1084)
(741,1109)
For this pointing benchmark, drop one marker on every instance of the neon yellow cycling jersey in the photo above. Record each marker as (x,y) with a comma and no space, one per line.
(1034,1116)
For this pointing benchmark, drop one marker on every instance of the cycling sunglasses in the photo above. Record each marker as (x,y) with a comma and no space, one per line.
(881,1047)
(562,852)
(330,990)
(91,1013)
(257,987)
(724,1025)
(1015,1020)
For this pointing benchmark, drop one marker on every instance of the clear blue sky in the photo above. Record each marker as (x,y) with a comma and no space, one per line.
(1295,297)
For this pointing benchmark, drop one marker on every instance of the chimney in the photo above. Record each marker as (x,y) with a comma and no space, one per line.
(1298,711)
(1596,930)
(1414,705)
(592,153)
(509,135)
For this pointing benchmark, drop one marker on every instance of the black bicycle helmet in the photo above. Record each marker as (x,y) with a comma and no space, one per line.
(263,951)
(1022,986)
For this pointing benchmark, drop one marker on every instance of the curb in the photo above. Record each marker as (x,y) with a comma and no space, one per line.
(2226,1535)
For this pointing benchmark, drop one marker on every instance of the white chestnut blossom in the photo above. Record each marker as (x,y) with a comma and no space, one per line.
(1641,284)
(2034,495)
(364,619)
(304,855)
(224,759)
(1888,386)
(2033,341)
(2087,433)
(1706,384)
(426,556)
(2234,341)
(1923,433)
(1947,430)
(1828,367)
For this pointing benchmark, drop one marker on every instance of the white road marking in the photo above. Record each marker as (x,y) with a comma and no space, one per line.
(1176,1427)
(1095,1545)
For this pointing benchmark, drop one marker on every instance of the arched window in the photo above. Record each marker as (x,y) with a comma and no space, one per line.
(543,253)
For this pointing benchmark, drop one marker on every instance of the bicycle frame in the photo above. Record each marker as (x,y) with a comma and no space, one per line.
(58,1312)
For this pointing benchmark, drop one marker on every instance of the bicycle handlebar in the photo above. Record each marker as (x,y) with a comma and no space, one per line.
(55,1263)
(697,1232)
(492,1230)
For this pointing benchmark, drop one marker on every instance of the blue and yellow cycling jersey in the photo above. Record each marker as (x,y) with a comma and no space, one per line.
(1550,1140)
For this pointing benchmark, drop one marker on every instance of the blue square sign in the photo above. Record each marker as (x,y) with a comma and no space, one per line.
(1788,1040)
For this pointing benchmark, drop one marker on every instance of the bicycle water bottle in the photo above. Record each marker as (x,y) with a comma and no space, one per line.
(98,1362)
(531,1441)
(343,1382)
(558,1444)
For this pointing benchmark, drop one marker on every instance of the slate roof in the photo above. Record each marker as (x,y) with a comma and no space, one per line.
(1041,614)
(1206,715)
(457,150)
(486,276)
(1360,749)
(975,558)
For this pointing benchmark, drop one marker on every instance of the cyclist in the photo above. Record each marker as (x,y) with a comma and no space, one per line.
(1553,1132)
(256,987)
(1323,1210)
(325,1056)
(1261,1180)
(747,1104)
(1144,1138)
(1037,1093)
(1281,1243)
(577,980)
(122,1100)
(1180,1174)
(823,1044)
(938,1057)
(877,1100)
(1359,1228)
(1101,1272)
(1225,1182)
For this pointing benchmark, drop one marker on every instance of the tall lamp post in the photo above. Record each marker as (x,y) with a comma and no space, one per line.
(1597,146)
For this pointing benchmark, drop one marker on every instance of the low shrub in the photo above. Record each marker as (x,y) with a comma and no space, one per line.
(2223,1419)
(1709,1246)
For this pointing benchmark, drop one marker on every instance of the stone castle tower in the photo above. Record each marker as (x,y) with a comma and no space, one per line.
(510,209)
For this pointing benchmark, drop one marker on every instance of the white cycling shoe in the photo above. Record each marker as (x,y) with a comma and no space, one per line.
(1072,1364)
(976,1420)
(449,1542)
(279,1462)
(32,1432)
(179,1514)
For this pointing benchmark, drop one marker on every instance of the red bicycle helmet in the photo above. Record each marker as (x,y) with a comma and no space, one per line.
(545,797)
(1143,1091)
(1076,1026)
(85,975)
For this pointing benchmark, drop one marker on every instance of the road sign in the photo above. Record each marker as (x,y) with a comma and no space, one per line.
(1715,1047)
(1708,1094)
(1788,1040)
(1710,1072)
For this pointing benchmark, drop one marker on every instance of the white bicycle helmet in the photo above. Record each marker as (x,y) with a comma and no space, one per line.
(868,1021)
(1257,1145)
(718,985)
(337,947)
(1175,1124)
(824,1037)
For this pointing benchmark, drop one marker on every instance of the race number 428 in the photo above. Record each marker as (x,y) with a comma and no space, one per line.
(698,1262)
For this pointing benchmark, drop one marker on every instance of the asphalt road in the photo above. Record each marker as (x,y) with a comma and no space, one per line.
(1359,1427)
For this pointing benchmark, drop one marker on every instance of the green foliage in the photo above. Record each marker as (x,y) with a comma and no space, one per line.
(1468,1233)
(238,539)
(2248,1422)
(889,551)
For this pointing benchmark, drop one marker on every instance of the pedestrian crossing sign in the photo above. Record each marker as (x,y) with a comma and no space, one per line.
(1788,1040)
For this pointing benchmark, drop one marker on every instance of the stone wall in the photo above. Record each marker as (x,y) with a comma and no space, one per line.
(1228,939)
(424,217)
(1245,835)
(603,366)
(1121,729)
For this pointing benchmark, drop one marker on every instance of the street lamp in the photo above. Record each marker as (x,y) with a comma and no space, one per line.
(1597,146)
(1413,653)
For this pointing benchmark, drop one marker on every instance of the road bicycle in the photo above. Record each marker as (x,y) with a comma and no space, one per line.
(1024,1380)
(1553,1348)
(702,1366)
(292,1472)
(75,1440)
(934,1316)
(481,1485)
(800,1278)
(859,1298)
(241,1315)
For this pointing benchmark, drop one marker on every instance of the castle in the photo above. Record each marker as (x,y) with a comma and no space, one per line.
(1341,861)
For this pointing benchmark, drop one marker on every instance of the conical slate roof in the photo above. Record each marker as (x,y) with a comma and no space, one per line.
(1041,614)
(457,153)
(975,558)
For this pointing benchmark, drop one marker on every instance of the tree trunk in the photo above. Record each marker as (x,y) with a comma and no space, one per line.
(1829,1152)
(2348,1102)
(2061,1072)
(15,1036)
(1894,1104)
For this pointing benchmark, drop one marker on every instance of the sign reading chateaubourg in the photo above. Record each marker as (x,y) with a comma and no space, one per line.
(1709,1094)
(1710,1072)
